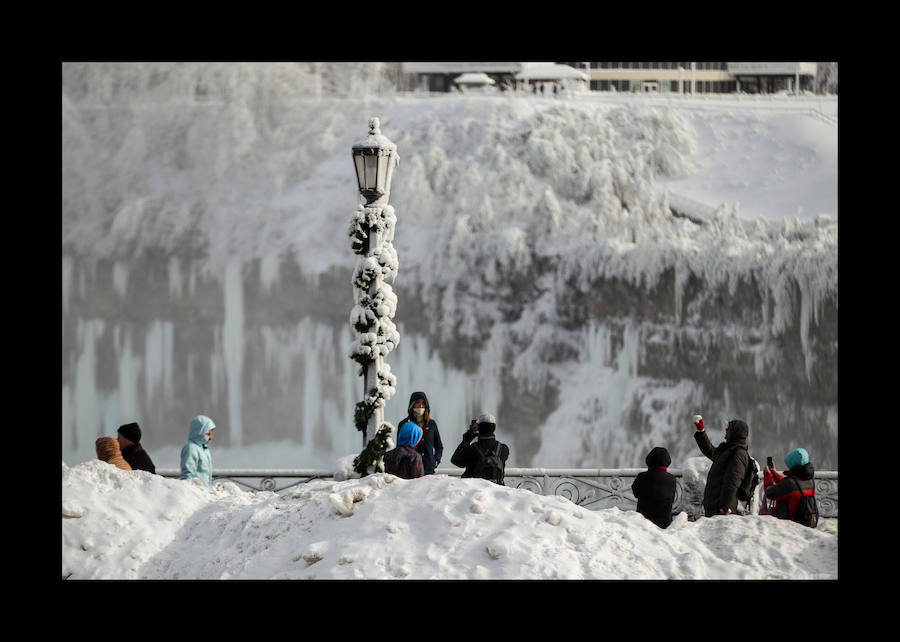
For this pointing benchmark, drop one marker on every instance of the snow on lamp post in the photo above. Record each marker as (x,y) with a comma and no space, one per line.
(371,234)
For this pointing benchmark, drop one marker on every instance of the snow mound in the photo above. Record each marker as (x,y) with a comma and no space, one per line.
(134,525)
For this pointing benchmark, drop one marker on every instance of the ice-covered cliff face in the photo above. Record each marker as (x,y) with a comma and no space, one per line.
(543,277)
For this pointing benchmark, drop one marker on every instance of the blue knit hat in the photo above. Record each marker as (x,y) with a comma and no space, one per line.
(797,457)
(409,433)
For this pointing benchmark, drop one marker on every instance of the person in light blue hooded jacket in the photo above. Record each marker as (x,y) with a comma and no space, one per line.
(196,459)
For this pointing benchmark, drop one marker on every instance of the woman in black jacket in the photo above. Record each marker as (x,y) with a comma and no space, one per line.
(655,488)
(430,447)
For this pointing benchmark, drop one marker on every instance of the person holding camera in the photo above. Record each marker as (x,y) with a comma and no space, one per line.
(789,490)
(480,453)
(730,461)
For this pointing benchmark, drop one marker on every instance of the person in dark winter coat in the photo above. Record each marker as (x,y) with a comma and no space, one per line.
(405,461)
(431,447)
(129,437)
(730,460)
(655,488)
(787,489)
(478,441)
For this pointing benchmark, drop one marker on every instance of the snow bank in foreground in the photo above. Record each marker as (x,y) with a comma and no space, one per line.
(134,525)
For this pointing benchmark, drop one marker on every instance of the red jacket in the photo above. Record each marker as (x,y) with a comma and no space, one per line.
(786,490)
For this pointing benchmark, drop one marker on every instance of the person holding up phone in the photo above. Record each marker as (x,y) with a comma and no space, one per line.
(794,490)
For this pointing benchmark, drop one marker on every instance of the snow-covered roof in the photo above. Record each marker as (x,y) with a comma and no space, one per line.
(474,78)
(550,71)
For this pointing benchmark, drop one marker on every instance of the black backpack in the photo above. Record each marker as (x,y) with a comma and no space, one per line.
(747,489)
(489,466)
(807,512)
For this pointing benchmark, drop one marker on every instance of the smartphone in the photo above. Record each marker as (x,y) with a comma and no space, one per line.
(769,463)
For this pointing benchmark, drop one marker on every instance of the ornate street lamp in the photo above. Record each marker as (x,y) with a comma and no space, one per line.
(371,234)
(374,158)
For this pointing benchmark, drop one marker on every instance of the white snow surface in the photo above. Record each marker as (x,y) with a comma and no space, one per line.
(133,525)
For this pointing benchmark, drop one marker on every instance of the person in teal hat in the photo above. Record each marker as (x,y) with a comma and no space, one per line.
(790,488)
(405,461)
(196,458)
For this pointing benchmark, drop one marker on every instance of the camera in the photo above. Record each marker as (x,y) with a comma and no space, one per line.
(473,426)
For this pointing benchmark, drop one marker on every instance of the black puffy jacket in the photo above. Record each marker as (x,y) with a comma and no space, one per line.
(729,463)
(138,458)
(655,488)
(466,455)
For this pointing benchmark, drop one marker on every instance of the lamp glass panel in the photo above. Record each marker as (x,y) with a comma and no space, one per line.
(371,168)
(360,170)
(382,170)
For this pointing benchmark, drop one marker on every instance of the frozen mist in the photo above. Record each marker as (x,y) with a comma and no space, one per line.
(542,275)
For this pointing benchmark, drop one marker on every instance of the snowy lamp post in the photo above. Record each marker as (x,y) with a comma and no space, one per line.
(371,232)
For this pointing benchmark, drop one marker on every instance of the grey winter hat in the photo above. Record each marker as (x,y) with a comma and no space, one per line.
(487,423)
(487,418)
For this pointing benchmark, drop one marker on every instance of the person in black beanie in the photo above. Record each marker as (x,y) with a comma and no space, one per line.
(129,437)
(730,460)
(480,453)
(655,488)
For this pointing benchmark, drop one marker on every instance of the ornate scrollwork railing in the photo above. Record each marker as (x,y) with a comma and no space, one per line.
(593,488)
(264,479)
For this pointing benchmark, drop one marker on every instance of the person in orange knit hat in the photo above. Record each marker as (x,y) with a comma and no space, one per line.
(108,451)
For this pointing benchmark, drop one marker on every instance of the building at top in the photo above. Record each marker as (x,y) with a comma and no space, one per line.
(646,77)
(439,76)
(700,77)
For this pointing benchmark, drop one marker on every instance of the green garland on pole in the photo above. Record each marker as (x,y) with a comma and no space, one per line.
(364,410)
(370,460)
